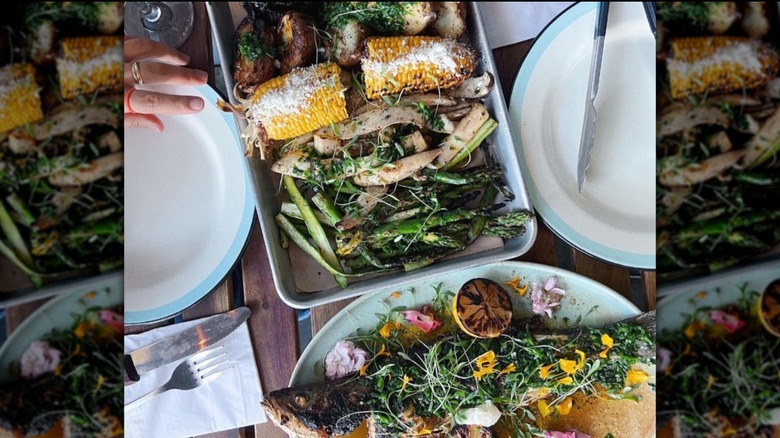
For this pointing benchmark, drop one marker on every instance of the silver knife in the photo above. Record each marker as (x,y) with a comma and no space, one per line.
(182,344)
(589,121)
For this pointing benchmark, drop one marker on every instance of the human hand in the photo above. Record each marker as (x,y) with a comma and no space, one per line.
(157,63)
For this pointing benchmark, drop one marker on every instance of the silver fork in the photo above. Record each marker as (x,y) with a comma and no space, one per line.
(198,369)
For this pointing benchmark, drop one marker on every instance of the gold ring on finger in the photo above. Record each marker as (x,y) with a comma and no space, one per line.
(136,73)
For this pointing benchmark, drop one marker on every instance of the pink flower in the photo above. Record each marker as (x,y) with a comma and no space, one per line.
(113,319)
(570,434)
(343,360)
(726,320)
(424,320)
(39,359)
(664,359)
(546,298)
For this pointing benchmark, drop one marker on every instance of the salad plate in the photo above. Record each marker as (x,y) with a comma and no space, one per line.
(613,219)
(189,210)
(586,300)
(59,313)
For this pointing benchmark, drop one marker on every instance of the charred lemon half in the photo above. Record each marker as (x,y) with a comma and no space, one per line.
(482,308)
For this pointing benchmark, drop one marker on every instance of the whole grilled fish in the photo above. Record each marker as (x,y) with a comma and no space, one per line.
(338,407)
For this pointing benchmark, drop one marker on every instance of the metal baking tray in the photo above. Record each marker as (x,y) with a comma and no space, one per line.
(266,186)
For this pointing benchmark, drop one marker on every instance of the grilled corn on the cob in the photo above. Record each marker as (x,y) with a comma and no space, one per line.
(20,101)
(414,64)
(90,64)
(299,102)
(719,64)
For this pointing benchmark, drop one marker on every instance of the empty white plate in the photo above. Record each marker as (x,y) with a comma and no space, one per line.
(614,216)
(188,209)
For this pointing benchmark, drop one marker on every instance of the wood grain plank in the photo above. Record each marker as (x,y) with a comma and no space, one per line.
(320,315)
(543,251)
(609,275)
(219,300)
(273,326)
(17,314)
(508,60)
(650,286)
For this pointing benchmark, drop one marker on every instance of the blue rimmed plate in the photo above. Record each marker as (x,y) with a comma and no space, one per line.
(189,209)
(613,218)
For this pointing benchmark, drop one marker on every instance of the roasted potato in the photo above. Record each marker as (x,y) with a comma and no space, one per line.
(417,16)
(450,19)
(254,56)
(298,42)
(347,44)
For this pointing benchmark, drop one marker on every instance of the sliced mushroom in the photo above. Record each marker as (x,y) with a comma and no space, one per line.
(20,142)
(414,142)
(464,131)
(674,199)
(347,42)
(72,119)
(397,170)
(326,145)
(374,120)
(473,88)
(434,101)
(685,118)
(720,141)
(766,143)
(702,171)
(110,141)
(746,124)
(91,172)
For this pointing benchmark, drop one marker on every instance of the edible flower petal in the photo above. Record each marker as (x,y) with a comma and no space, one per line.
(485,364)
(514,283)
(568,366)
(544,408)
(544,372)
(343,360)
(39,359)
(664,356)
(608,342)
(112,319)
(425,322)
(564,407)
(726,320)
(581,363)
(692,328)
(508,369)
(382,352)
(635,377)
(388,329)
(407,379)
(546,298)
(566,381)
(485,415)
(571,434)
(710,381)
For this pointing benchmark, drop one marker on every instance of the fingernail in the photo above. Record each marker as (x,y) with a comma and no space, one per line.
(201,75)
(196,103)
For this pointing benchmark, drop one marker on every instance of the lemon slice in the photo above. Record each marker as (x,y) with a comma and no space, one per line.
(482,308)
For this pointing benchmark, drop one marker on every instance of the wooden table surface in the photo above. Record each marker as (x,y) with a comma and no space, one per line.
(274,326)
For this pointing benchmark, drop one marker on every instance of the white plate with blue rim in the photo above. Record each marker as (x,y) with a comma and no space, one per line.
(613,219)
(188,209)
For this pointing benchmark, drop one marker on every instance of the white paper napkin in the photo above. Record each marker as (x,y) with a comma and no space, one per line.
(230,401)
(511,22)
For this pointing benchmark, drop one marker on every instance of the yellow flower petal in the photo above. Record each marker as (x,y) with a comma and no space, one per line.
(564,407)
(514,283)
(544,372)
(566,381)
(508,369)
(396,295)
(363,370)
(407,379)
(635,377)
(424,431)
(607,341)
(603,353)
(388,329)
(100,381)
(544,408)
(568,366)
(581,363)
(486,359)
(692,329)
(382,352)
(710,381)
